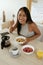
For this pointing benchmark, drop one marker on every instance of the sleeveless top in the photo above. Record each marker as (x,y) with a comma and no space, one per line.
(25,31)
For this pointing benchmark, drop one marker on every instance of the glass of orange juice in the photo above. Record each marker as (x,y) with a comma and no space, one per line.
(39,54)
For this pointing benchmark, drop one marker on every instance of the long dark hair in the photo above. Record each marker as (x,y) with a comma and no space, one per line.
(29,20)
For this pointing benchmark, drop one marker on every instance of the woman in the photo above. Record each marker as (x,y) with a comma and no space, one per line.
(25,26)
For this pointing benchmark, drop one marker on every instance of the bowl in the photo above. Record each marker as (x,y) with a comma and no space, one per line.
(20,39)
(28,49)
(14,51)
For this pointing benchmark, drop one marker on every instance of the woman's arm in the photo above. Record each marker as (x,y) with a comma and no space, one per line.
(12,28)
(37,33)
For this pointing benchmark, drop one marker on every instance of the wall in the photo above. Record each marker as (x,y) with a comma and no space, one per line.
(10,7)
(37,11)
(37,16)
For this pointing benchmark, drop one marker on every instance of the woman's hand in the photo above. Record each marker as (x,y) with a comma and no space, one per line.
(12,23)
(11,29)
(26,41)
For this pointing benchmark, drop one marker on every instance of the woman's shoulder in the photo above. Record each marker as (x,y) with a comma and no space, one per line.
(33,24)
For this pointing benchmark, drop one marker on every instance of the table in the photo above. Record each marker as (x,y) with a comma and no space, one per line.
(23,59)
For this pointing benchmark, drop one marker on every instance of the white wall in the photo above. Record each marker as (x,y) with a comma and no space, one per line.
(37,11)
(37,16)
(10,7)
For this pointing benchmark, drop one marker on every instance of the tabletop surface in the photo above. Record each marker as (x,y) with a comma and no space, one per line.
(22,59)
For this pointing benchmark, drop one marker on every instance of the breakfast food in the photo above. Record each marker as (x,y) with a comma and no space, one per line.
(27,49)
(20,40)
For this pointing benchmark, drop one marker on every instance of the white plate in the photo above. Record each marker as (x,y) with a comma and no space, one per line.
(22,37)
(30,46)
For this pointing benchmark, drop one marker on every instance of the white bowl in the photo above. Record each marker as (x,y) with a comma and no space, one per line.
(20,37)
(29,51)
(14,51)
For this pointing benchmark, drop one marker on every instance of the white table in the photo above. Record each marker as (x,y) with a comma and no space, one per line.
(23,59)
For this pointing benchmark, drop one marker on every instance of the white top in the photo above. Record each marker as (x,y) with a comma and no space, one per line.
(25,31)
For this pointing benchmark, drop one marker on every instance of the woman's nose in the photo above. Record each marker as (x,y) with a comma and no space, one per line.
(21,17)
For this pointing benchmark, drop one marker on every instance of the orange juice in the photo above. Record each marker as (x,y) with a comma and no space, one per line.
(40,54)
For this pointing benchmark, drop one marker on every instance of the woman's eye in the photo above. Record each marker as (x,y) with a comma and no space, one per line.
(20,15)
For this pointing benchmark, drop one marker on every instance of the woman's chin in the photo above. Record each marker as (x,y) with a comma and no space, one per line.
(23,23)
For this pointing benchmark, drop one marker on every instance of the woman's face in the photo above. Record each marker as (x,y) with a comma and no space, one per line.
(22,17)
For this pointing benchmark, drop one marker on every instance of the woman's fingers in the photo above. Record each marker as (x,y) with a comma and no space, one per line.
(11,29)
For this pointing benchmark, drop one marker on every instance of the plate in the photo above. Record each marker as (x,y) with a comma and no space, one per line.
(20,39)
(28,49)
